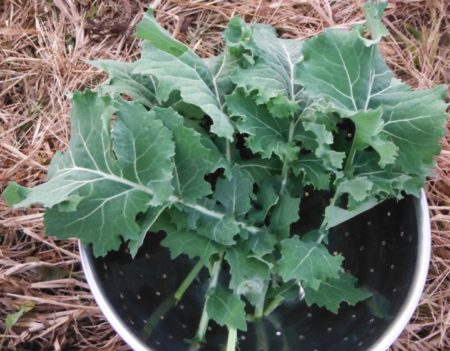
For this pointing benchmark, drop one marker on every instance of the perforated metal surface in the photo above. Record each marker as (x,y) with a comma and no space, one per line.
(383,248)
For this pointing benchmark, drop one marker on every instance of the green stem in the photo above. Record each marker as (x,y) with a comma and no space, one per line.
(202,325)
(204,319)
(259,310)
(155,317)
(232,339)
(213,214)
(228,150)
(323,225)
(284,174)
(171,301)
(172,199)
(273,305)
(349,160)
(261,336)
(188,280)
(285,169)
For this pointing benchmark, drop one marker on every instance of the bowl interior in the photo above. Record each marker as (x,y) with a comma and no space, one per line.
(380,248)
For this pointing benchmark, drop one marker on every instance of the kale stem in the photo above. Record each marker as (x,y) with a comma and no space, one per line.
(261,337)
(188,280)
(349,160)
(323,225)
(273,305)
(172,198)
(155,317)
(204,319)
(232,339)
(228,150)
(285,169)
(284,173)
(203,325)
(250,228)
(171,301)
(259,310)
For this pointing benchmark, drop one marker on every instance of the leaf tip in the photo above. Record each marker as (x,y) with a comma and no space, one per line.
(14,194)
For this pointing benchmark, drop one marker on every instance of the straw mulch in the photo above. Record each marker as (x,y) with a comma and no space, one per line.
(43,48)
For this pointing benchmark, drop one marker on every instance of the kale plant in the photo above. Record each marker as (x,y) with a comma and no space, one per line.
(220,152)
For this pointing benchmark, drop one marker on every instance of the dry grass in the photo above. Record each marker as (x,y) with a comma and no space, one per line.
(43,46)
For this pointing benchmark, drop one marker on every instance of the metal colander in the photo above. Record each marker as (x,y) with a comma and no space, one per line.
(386,248)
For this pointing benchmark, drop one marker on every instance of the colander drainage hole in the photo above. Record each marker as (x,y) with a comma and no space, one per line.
(181,307)
(131,322)
(309,315)
(158,293)
(105,267)
(371,270)
(138,296)
(121,296)
(388,214)
(369,223)
(301,337)
(346,338)
(140,276)
(121,272)
(360,343)
(243,337)
(392,266)
(402,234)
(330,329)
(184,326)
(278,333)
(383,243)
(164,276)
(361,248)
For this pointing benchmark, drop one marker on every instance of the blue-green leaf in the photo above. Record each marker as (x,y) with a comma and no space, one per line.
(226,309)
(333,292)
(104,179)
(307,262)
(266,135)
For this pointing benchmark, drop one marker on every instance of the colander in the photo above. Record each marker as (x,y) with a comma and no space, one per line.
(387,248)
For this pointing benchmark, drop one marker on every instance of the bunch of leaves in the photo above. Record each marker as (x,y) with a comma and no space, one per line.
(218,153)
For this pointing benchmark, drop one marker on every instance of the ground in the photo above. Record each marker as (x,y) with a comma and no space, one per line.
(44,46)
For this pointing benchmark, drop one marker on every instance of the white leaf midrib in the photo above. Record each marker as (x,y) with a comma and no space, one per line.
(291,73)
(172,199)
